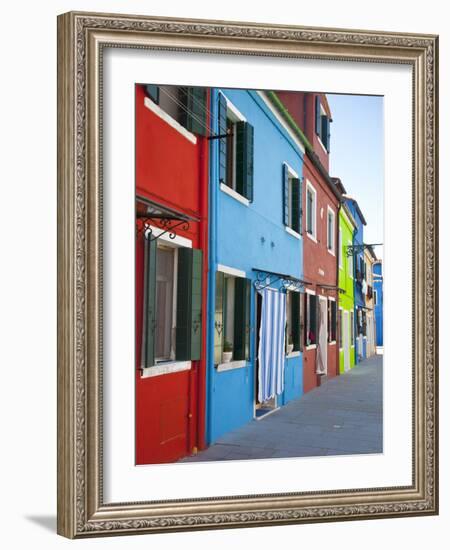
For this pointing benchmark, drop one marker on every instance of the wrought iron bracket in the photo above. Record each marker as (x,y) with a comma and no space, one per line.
(166,225)
(353,249)
(282,282)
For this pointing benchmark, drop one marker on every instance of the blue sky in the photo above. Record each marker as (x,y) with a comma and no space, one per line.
(357,156)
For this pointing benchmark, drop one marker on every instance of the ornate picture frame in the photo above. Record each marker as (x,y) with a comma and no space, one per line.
(82,38)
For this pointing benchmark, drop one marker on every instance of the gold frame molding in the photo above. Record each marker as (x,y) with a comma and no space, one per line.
(81,37)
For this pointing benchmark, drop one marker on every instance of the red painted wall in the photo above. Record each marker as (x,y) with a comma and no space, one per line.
(172,171)
(301,106)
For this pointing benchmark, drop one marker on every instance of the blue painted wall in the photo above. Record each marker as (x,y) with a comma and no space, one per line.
(246,237)
(378,286)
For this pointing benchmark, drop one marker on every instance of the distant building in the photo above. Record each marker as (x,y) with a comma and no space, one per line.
(360,284)
(368,291)
(347,226)
(378,300)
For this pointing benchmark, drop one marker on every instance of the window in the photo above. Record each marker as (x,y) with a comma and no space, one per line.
(186,105)
(340,249)
(311,207)
(352,328)
(311,319)
(294,321)
(322,124)
(341,329)
(331,321)
(292,199)
(172,304)
(235,150)
(232,317)
(330,230)
(374,297)
(350,262)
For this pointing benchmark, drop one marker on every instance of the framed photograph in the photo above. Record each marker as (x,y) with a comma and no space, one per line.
(247,283)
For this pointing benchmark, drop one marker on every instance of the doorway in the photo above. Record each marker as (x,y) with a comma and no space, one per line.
(270,405)
(322,340)
(346,341)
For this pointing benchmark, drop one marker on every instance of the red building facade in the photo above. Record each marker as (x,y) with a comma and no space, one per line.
(171,271)
(320,204)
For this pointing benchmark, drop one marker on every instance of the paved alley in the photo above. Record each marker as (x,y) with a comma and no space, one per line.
(344,416)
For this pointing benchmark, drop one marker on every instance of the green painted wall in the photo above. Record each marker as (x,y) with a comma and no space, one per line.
(346,287)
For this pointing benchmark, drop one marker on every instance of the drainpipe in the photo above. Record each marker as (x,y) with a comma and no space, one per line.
(212,264)
(201,383)
(339,252)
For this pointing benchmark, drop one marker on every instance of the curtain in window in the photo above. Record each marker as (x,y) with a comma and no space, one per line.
(271,344)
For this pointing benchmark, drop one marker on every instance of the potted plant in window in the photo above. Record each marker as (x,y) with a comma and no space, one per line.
(227,352)
(290,344)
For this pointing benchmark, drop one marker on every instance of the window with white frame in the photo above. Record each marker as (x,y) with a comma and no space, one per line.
(311,210)
(166,267)
(374,297)
(235,149)
(292,193)
(311,319)
(330,230)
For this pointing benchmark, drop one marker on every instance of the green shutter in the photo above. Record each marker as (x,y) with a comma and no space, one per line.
(244,159)
(285,191)
(241,318)
(302,319)
(152,92)
(193,115)
(324,130)
(328,135)
(296,205)
(318,116)
(248,297)
(219,325)
(149,325)
(295,316)
(300,192)
(223,140)
(189,305)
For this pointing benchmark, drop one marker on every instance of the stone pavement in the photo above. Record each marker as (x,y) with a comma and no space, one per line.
(344,416)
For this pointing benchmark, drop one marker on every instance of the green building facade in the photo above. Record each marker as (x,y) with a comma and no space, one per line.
(346,313)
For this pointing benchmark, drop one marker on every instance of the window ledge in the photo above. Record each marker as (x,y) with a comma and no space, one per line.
(234,194)
(292,232)
(166,368)
(333,343)
(312,346)
(231,365)
(152,106)
(312,237)
(331,252)
(293,354)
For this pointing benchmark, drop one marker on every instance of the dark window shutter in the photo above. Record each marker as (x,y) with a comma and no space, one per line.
(149,324)
(300,193)
(295,316)
(318,116)
(189,305)
(285,191)
(219,318)
(328,135)
(296,204)
(244,159)
(333,321)
(241,318)
(324,130)
(152,92)
(223,140)
(193,115)
(302,320)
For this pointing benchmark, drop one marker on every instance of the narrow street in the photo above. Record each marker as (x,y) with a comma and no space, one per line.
(344,416)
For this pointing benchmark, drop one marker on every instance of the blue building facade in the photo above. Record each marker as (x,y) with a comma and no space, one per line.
(255,241)
(359,280)
(378,299)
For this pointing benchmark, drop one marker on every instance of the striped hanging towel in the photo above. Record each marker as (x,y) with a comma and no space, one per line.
(271,344)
